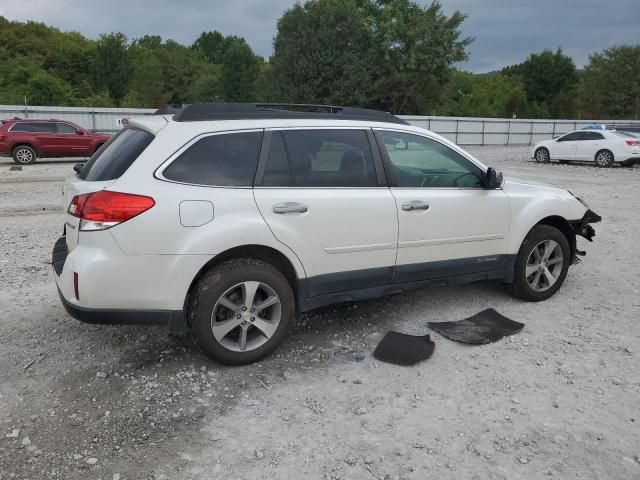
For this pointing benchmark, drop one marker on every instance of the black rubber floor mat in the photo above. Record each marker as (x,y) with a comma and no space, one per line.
(403,349)
(484,327)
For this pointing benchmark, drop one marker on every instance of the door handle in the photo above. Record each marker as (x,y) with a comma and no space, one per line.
(290,207)
(415,205)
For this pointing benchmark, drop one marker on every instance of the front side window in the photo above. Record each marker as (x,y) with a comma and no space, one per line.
(417,162)
(321,158)
(218,160)
(65,128)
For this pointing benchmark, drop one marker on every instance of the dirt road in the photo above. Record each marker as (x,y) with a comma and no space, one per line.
(558,400)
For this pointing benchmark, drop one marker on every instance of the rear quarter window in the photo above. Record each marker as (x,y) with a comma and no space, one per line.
(117,155)
(228,159)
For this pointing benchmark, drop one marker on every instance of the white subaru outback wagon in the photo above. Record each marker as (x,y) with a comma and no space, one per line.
(226,219)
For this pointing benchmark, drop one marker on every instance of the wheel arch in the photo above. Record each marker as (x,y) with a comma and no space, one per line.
(561,224)
(257,252)
(24,144)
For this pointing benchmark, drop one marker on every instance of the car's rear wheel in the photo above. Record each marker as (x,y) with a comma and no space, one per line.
(604,159)
(542,264)
(24,155)
(241,310)
(542,155)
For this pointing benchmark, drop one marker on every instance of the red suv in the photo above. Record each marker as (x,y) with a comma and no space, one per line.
(26,140)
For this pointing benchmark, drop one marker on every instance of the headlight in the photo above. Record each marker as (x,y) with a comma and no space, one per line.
(579,199)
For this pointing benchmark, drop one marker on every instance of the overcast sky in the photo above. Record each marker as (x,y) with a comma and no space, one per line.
(505,31)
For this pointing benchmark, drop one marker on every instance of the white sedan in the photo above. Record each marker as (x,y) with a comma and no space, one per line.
(604,147)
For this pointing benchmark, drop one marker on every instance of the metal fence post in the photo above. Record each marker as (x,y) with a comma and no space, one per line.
(483,132)
(93,119)
(457,128)
(553,132)
(508,133)
(531,134)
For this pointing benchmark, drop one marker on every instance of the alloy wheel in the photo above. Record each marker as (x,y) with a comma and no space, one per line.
(544,265)
(24,155)
(542,156)
(603,158)
(246,316)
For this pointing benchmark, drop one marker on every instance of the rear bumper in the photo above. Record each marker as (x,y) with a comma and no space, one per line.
(173,319)
(119,289)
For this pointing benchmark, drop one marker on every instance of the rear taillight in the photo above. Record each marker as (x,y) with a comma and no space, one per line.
(633,143)
(105,209)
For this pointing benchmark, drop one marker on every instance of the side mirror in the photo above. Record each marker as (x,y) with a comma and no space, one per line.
(79,132)
(492,179)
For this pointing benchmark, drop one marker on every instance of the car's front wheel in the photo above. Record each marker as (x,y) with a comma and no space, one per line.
(542,155)
(241,310)
(541,265)
(24,155)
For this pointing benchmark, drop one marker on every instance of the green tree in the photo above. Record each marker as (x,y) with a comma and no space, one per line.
(472,95)
(211,45)
(45,89)
(112,67)
(610,84)
(240,70)
(390,54)
(324,53)
(416,48)
(549,79)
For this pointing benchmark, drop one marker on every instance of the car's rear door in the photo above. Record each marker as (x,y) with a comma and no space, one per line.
(323,195)
(448,223)
(588,144)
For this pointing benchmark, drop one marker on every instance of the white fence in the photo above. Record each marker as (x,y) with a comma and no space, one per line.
(461,130)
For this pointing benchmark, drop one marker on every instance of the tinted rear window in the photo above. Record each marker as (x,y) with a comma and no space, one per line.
(218,160)
(117,155)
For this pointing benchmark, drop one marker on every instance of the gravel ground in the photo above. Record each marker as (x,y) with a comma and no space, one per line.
(558,400)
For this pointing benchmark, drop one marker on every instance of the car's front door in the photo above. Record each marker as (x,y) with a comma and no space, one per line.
(448,223)
(564,148)
(69,142)
(322,193)
(589,144)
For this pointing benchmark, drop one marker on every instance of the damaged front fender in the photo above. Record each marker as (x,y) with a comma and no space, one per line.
(583,228)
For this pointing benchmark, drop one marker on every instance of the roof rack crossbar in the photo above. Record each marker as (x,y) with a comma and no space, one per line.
(245,111)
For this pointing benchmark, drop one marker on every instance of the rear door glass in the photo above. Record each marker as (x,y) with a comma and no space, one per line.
(117,155)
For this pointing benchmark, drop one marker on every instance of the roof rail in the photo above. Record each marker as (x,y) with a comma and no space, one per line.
(241,111)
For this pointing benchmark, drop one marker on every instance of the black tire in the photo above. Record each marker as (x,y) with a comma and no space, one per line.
(542,155)
(24,155)
(520,287)
(604,159)
(216,283)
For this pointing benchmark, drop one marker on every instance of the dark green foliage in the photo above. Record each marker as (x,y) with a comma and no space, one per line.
(394,55)
(549,80)
(610,84)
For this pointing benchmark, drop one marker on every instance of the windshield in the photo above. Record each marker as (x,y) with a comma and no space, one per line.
(116,156)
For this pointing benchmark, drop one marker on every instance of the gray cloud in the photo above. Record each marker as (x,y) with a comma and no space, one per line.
(505,31)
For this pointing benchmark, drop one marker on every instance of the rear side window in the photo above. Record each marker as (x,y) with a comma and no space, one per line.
(228,159)
(34,127)
(322,158)
(117,155)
